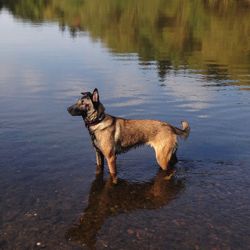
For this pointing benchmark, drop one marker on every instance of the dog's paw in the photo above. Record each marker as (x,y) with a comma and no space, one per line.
(169,176)
(115,180)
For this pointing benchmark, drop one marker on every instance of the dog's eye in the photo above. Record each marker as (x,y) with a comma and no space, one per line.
(85,99)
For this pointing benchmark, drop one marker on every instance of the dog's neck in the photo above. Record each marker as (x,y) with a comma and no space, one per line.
(95,117)
(94,121)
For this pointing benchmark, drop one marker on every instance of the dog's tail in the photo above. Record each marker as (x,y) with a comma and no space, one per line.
(184,132)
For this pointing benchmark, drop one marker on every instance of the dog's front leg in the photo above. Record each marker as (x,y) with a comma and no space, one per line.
(99,162)
(112,168)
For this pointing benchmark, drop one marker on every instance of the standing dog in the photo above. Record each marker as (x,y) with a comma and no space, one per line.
(114,135)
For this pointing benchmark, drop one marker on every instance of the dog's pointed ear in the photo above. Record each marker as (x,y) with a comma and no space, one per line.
(95,95)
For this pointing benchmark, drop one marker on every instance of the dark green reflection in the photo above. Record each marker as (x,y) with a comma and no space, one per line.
(106,200)
(173,33)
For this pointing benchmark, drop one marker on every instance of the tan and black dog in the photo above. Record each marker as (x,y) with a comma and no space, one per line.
(114,135)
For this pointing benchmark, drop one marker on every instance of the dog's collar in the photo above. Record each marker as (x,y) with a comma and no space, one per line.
(95,122)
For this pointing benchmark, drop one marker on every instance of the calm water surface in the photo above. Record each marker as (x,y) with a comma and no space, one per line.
(167,60)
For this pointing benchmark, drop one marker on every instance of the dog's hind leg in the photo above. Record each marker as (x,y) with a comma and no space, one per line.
(164,155)
(163,158)
(99,162)
(166,152)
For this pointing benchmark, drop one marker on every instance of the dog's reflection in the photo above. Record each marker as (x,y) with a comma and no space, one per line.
(106,199)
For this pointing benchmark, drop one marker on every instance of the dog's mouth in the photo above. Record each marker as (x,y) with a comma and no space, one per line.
(75,111)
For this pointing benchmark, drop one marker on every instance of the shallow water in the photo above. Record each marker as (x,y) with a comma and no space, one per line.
(149,60)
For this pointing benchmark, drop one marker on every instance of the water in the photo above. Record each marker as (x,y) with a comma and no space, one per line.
(167,60)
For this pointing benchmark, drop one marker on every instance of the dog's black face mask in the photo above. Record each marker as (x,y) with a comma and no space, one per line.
(87,104)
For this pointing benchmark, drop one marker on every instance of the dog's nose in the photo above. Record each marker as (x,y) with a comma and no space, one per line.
(69,109)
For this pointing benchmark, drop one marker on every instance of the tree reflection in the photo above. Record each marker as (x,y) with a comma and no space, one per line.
(170,32)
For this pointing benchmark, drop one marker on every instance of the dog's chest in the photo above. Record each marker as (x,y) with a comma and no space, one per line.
(95,142)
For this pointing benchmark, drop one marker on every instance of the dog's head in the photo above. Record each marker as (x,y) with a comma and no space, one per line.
(86,105)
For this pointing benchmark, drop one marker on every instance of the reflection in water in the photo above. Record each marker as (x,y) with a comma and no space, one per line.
(171,32)
(106,200)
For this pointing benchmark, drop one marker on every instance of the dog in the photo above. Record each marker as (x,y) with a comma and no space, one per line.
(114,135)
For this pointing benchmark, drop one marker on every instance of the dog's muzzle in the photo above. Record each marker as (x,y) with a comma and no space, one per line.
(75,111)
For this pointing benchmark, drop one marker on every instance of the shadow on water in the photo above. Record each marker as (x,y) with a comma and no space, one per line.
(106,200)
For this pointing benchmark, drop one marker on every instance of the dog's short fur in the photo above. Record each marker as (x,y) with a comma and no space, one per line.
(114,135)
